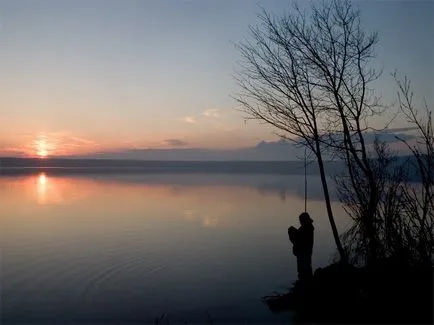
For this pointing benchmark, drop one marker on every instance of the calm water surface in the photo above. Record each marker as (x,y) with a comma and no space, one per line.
(129,248)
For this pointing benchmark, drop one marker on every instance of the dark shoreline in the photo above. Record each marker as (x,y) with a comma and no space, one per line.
(74,166)
(20,166)
(344,294)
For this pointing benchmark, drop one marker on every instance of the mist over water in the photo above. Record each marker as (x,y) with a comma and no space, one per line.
(127,248)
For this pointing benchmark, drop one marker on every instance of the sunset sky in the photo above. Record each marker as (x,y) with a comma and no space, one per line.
(97,75)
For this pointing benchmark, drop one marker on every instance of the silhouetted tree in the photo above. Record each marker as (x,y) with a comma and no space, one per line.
(354,192)
(418,200)
(404,217)
(309,76)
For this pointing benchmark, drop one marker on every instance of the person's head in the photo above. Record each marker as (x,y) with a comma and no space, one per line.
(305,219)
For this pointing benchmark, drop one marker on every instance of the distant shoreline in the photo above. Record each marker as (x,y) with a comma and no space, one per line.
(18,166)
(67,166)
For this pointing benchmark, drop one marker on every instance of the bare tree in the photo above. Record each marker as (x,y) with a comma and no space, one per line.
(418,201)
(404,215)
(308,75)
(354,192)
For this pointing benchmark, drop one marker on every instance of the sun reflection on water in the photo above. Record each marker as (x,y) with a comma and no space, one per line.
(46,189)
(42,188)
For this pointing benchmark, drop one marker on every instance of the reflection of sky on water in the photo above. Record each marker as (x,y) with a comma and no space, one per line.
(135,248)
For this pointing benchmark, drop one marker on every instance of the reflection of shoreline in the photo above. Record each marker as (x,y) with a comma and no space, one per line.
(282,186)
(211,219)
(49,185)
(74,167)
(285,190)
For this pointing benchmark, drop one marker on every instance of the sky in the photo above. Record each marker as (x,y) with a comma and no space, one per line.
(88,76)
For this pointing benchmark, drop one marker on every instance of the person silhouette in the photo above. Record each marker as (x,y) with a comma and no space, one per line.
(302,240)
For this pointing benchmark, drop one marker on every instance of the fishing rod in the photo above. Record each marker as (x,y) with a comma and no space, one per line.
(305,180)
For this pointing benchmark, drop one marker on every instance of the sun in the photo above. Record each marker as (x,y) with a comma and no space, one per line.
(41,147)
(42,153)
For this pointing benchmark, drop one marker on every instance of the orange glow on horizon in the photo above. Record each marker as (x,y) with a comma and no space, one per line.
(48,144)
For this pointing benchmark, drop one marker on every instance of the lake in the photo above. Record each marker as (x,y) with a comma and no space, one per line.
(127,248)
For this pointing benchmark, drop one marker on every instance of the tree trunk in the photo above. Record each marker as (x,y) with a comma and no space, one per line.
(369,220)
(339,246)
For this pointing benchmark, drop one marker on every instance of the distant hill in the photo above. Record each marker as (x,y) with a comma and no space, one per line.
(281,150)
(17,166)
(80,166)
(263,151)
